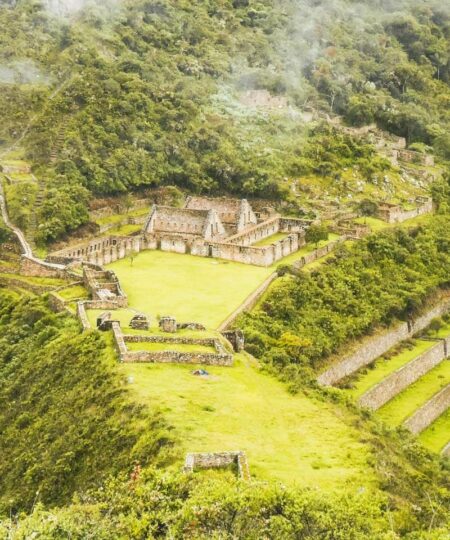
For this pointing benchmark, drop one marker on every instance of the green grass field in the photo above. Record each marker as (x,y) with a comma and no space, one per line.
(294,439)
(402,406)
(384,367)
(192,289)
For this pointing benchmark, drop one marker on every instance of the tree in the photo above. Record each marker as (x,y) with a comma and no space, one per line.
(316,233)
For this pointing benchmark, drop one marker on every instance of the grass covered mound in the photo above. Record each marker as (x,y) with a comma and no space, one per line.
(65,419)
(306,317)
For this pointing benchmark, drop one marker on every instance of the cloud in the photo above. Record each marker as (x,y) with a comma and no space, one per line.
(22,72)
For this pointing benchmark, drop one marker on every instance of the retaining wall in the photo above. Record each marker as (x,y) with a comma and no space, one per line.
(429,412)
(395,383)
(372,347)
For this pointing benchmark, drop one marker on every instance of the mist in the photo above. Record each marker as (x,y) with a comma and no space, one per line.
(23,72)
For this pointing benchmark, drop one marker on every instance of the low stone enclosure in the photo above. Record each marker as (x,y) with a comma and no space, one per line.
(218,460)
(220,358)
(221,228)
(393,213)
(103,285)
(372,347)
(408,374)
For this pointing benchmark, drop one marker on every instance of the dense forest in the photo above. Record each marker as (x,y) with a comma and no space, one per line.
(178,72)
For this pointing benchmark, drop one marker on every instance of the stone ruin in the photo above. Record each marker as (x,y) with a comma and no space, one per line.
(218,460)
(394,213)
(191,326)
(168,324)
(236,338)
(140,322)
(103,285)
(207,227)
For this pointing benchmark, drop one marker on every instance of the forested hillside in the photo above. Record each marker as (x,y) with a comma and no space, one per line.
(180,73)
(65,419)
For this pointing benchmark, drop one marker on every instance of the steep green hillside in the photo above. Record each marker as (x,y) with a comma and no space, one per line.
(215,94)
(65,420)
(306,317)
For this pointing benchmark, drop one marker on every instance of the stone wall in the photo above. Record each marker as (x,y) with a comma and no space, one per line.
(177,357)
(318,253)
(429,412)
(396,214)
(446,450)
(220,358)
(395,383)
(372,347)
(36,268)
(218,460)
(249,303)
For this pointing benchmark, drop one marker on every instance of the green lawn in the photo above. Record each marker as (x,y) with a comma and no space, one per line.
(402,406)
(270,239)
(192,289)
(436,436)
(384,367)
(294,439)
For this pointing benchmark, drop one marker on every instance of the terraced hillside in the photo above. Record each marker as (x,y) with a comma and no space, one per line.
(405,404)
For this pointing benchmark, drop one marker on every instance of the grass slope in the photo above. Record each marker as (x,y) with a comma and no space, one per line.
(437,435)
(295,439)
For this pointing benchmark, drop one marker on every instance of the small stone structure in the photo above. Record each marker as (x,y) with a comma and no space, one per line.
(103,285)
(191,326)
(221,357)
(372,347)
(140,322)
(102,321)
(236,338)
(168,324)
(218,460)
(393,213)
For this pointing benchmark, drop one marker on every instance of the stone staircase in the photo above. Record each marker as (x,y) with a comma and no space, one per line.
(58,145)
(33,222)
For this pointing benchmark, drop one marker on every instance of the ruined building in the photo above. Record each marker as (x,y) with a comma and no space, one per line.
(207,227)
